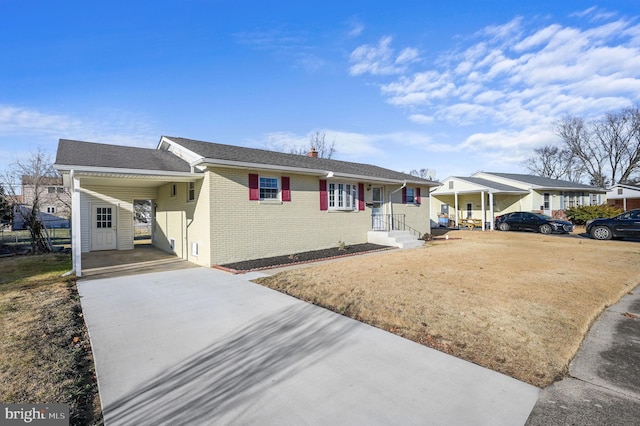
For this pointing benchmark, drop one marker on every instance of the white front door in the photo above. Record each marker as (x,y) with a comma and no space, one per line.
(546,200)
(103,227)
(377,209)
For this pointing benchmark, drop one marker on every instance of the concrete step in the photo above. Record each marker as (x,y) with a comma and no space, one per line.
(401,239)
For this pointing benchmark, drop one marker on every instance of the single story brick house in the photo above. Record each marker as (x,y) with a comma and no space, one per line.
(483,196)
(215,204)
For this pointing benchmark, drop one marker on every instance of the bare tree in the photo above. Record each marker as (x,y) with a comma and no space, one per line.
(142,211)
(555,163)
(5,207)
(608,148)
(38,171)
(579,139)
(429,174)
(318,142)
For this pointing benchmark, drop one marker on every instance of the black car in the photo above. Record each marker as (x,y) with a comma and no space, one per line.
(625,225)
(537,222)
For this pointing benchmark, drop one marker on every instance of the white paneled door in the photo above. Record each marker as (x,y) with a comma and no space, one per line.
(103,223)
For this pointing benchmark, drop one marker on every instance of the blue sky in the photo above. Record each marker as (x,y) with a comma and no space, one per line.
(458,88)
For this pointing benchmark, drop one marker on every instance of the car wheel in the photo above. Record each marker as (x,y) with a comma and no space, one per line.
(545,229)
(504,226)
(601,233)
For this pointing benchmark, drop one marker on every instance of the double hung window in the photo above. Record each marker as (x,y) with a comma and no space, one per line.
(268,188)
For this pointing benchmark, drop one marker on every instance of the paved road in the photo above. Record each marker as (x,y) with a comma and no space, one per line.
(603,387)
(200,346)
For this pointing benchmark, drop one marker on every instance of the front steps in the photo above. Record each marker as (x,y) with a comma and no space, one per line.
(401,239)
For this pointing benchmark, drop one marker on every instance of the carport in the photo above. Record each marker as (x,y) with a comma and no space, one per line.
(104,183)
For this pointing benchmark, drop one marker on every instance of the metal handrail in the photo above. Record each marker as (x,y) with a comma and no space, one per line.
(395,222)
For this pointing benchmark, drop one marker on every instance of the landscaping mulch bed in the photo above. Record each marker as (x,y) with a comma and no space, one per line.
(308,256)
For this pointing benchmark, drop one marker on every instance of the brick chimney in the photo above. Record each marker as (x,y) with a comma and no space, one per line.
(313,153)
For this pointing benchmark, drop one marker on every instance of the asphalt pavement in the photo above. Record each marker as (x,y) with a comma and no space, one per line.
(603,385)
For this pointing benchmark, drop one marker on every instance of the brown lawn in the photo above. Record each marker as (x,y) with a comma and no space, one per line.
(517,303)
(45,355)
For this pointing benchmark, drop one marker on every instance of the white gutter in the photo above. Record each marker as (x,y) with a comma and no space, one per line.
(111,170)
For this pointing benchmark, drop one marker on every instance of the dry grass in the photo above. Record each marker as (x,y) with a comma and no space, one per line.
(45,355)
(518,303)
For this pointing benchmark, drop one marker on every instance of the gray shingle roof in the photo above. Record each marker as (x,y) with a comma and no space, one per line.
(261,156)
(90,154)
(543,182)
(491,184)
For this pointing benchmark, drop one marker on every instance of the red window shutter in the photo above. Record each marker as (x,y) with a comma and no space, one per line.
(254,192)
(404,195)
(286,191)
(418,198)
(361,196)
(324,201)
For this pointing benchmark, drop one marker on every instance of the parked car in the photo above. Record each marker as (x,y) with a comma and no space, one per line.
(537,222)
(625,225)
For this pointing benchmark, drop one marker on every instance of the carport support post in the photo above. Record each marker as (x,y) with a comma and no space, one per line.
(76,248)
(456,210)
(484,211)
(491,212)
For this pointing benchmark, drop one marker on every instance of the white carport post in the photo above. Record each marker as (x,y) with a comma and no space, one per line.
(76,246)
(491,212)
(455,212)
(484,211)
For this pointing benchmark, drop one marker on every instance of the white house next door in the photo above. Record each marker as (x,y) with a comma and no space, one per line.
(103,227)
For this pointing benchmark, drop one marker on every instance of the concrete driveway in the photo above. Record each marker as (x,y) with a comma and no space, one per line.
(200,346)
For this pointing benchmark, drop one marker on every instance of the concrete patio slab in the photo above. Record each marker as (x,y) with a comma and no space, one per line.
(200,346)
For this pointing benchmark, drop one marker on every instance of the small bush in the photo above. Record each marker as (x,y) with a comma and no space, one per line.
(581,214)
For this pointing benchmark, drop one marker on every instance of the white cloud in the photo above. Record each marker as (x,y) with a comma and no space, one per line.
(381,59)
(355,28)
(513,80)
(22,121)
(421,118)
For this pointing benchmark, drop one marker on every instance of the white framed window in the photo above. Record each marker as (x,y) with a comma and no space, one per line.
(191,191)
(268,187)
(51,209)
(174,190)
(342,196)
(619,191)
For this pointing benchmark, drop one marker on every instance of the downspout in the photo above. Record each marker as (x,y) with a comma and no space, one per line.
(404,184)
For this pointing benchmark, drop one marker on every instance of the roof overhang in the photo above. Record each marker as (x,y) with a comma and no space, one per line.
(114,176)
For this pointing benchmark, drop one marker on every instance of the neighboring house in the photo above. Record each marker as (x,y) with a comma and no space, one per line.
(484,196)
(215,204)
(21,212)
(54,202)
(623,196)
